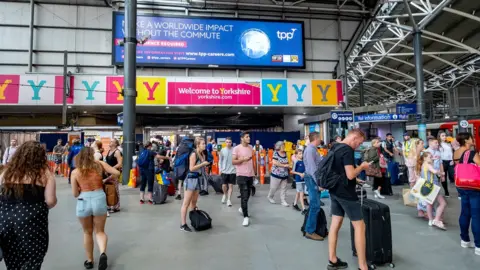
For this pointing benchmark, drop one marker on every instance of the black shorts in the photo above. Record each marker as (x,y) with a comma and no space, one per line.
(58,160)
(341,206)
(229,179)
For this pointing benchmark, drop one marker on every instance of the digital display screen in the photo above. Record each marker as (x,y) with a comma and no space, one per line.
(212,42)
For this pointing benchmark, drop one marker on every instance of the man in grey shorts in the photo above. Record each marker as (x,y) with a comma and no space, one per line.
(345,200)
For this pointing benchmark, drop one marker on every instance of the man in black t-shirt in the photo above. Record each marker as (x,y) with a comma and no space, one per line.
(345,200)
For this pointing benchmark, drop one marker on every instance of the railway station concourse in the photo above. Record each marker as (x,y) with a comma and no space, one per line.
(280,69)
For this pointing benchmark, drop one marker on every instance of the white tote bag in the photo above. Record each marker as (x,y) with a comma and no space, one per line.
(425,189)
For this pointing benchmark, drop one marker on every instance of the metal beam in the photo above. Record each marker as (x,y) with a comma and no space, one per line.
(412,65)
(31,28)
(391,80)
(387,69)
(461,13)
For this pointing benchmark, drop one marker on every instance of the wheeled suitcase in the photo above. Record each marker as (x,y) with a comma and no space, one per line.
(378,233)
(160,193)
(216,182)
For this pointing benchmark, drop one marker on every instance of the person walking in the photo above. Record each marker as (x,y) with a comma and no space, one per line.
(242,159)
(58,152)
(228,172)
(372,156)
(470,199)
(73,151)
(197,163)
(311,160)
(344,200)
(28,191)
(279,174)
(10,151)
(446,154)
(114,158)
(87,188)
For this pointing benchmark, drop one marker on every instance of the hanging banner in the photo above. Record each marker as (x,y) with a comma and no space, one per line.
(150,90)
(214,93)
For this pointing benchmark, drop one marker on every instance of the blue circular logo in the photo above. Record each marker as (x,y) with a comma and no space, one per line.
(255,43)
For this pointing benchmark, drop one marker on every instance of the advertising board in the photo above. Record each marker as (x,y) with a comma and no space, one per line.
(212,42)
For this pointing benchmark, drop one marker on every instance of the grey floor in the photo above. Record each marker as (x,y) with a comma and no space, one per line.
(148,237)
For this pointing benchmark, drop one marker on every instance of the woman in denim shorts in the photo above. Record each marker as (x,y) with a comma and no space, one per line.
(87,187)
(197,166)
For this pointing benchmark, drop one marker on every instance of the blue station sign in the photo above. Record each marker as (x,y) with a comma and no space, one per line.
(381,118)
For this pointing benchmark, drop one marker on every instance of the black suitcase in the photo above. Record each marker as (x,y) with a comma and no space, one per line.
(378,233)
(216,182)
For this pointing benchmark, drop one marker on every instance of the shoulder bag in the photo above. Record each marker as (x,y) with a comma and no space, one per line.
(467,175)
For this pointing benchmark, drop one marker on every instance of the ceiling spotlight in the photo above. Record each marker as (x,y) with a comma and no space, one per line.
(256,108)
(167,107)
(304,113)
(84,111)
(239,112)
(69,107)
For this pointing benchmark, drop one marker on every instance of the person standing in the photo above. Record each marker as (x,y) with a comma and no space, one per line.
(344,200)
(242,159)
(279,174)
(197,163)
(372,155)
(74,150)
(227,170)
(389,154)
(87,188)
(434,149)
(299,172)
(311,160)
(10,151)
(58,152)
(446,154)
(114,158)
(258,147)
(97,148)
(28,191)
(147,173)
(470,199)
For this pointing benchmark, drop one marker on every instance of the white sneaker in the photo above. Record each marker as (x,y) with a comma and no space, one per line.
(285,204)
(466,244)
(477,251)
(108,214)
(241,211)
(246,222)
(229,203)
(430,223)
(224,199)
(271,200)
(378,195)
(366,185)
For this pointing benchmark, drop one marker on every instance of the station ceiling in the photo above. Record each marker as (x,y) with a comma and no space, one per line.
(383,56)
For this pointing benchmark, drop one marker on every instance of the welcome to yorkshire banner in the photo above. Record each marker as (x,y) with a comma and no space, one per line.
(171,91)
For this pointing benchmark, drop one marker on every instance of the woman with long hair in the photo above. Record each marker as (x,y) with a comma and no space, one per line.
(114,159)
(197,164)
(87,187)
(416,149)
(470,199)
(279,174)
(98,150)
(372,155)
(426,170)
(27,193)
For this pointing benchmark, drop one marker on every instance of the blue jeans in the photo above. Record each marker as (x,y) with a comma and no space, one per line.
(314,209)
(148,176)
(470,211)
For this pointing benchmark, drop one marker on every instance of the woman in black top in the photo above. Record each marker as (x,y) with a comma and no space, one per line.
(114,158)
(27,193)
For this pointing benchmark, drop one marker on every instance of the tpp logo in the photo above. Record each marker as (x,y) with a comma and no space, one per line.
(286,35)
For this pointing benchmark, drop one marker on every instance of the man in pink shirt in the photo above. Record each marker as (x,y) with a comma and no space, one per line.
(242,159)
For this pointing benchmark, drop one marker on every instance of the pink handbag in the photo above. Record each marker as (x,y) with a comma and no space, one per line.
(467,176)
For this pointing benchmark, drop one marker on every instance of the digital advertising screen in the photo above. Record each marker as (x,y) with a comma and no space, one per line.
(213,42)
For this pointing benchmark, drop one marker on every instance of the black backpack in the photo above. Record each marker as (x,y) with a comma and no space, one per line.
(200,220)
(325,176)
(321,228)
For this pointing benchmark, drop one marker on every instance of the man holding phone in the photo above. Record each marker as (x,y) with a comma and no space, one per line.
(242,159)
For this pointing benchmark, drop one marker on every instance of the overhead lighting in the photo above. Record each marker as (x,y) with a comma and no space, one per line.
(69,107)
(304,113)
(239,112)
(167,107)
(84,111)
(256,108)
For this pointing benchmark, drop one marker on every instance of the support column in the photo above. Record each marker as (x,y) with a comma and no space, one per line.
(130,92)
(342,72)
(66,92)
(417,47)
(31,28)
(361,92)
